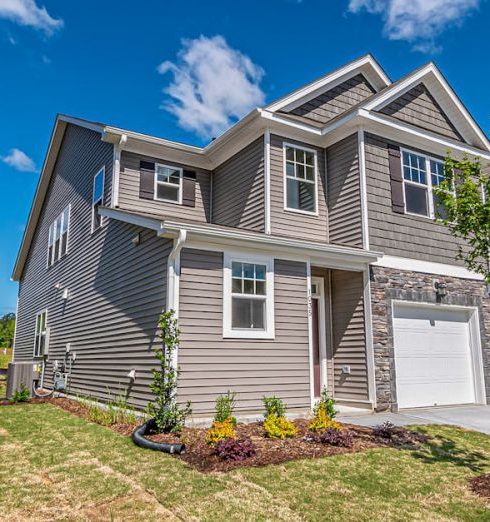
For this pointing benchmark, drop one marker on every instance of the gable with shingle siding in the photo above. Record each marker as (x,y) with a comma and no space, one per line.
(418,107)
(335,101)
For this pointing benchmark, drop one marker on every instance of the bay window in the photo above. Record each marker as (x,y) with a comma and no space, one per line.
(248,299)
(300,179)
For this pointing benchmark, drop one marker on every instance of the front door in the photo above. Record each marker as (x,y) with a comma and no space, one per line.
(318,335)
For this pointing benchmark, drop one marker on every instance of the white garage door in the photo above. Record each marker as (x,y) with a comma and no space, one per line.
(432,357)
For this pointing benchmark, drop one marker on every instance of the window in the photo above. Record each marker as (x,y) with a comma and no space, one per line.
(40,338)
(248,300)
(97,198)
(300,179)
(58,237)
(420,175)
(168,183)
(437,176)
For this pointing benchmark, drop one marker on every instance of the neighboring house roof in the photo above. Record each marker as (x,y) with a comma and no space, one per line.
(275,118)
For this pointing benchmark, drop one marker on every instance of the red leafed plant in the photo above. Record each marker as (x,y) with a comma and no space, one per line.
(235,449)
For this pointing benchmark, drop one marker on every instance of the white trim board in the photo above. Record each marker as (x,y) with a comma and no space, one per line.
(428,267)
(368,330)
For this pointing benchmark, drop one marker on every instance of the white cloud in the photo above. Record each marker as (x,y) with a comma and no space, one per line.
(417,21)
(213,85)
(19,160)
(27,12)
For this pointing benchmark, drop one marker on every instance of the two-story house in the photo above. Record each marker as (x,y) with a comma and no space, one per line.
(299,250)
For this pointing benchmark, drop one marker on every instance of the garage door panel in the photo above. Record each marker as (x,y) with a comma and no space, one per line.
(432,357)
(415,395)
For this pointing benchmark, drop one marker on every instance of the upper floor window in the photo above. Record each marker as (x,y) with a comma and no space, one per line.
(41,334)
(420,175)
(168,183)
(97,198)
(248,300)
(300,179)
(58,237)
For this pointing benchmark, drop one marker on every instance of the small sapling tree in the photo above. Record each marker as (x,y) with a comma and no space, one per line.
(169,416)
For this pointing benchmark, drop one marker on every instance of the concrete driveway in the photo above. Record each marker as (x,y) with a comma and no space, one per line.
(471,417)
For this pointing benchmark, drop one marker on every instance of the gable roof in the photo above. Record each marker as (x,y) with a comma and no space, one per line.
(365,65)
(258,120)
(437,85)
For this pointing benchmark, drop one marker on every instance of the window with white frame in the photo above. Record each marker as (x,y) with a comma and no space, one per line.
(300,179)
(168,183)
(58,237)
(40,337)
(420,175)
(248,300)
(97,198)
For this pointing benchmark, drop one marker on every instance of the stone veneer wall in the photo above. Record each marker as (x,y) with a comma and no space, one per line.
(388,284)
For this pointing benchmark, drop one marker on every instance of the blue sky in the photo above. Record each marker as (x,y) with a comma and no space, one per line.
(185,70)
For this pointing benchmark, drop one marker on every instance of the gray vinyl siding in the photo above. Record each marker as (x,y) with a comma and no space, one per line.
(344,193)
(290,223)
(117,289)
(418,107)
(331,103)
(129,183)
(238,189)
(211,365)
(349,337)
(399,234)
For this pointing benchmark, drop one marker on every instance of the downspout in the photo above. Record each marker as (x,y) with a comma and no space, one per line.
(173,280)
(116,169)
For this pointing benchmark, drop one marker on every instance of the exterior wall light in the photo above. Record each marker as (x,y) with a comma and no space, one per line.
(441,289)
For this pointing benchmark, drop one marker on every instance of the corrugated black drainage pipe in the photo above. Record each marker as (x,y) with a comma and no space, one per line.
(139,439)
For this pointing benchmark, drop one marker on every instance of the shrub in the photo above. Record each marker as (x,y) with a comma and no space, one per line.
(325,403)
(236,450)
(398,435)
(385,430)
(273,406)
(321,422)
(225,404)
(335,437)
(169,416)
(277,427)
(220,431)
(21,395)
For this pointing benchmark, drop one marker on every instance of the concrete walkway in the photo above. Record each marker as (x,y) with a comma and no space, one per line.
(471,417)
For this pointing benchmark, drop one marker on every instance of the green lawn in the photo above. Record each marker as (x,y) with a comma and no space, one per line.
(55,466)
(4,360)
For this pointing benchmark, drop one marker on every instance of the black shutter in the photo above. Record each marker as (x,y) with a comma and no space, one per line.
(396,179)
(189,188)
(147,180)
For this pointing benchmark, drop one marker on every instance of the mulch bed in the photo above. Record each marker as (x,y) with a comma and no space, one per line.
(200,455)
(481,485)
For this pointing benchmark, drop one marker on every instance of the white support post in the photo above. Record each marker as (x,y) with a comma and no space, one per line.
(368,324)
